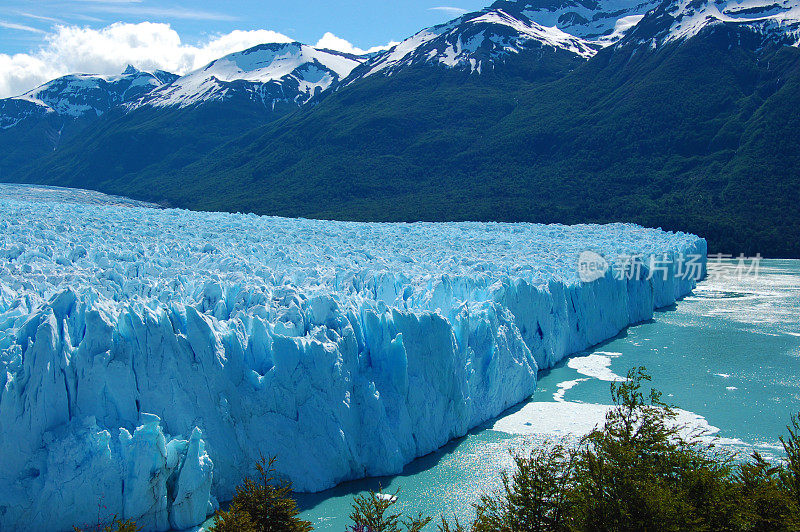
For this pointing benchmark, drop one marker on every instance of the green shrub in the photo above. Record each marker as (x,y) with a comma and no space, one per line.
(116,525)
(535,496)
(262,505)
(444,526)
(767,505)
(790,473)
(642,471)
(370,515)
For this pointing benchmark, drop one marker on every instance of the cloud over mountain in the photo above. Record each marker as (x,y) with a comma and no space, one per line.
(146,45)
(333,42)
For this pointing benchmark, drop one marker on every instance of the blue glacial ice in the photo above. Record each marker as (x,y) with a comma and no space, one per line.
(149,356)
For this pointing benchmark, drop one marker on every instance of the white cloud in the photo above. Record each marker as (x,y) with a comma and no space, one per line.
(146,45)
(40,17)
(19,27)
(451,11)
(21,72)
(332,42)
(134,9)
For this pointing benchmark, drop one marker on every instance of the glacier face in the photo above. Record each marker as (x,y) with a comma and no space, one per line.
(149,356)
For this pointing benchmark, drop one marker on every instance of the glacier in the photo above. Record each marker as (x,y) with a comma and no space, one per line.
(149,356)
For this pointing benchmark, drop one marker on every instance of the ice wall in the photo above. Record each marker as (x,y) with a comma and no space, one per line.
(148,357)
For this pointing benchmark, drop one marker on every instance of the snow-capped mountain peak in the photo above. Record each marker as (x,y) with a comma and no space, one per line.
(551,36)
(267,73)
(471,42)
(775,20)
(599,21)
(79,95)
(606,22)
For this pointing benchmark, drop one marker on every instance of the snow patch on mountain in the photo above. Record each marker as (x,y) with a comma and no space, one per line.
(147,356)
(13,111)
(621,27)
(82,95)
(777,20)
(550,36)
(268,73)
(602,22)
(473,41)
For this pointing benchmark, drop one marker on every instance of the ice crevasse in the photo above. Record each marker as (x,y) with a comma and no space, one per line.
(149,356)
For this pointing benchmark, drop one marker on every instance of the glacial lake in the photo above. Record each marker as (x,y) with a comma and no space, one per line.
(728,355)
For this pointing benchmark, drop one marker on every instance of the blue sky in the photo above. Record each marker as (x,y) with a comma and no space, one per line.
(25,23)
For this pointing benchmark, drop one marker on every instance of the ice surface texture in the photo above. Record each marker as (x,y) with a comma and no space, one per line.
(149,356)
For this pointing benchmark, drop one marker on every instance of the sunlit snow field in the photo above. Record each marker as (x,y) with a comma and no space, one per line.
(729,353)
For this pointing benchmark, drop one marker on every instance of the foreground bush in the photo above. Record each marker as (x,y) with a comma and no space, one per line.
(371,513)
(640,471)
(116,525)
(262,505)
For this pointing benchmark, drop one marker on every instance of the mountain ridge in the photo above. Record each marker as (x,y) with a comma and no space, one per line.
(268,73)
(473,41)
(600,21)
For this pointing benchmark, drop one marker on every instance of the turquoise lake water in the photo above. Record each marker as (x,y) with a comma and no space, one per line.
(728,356)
